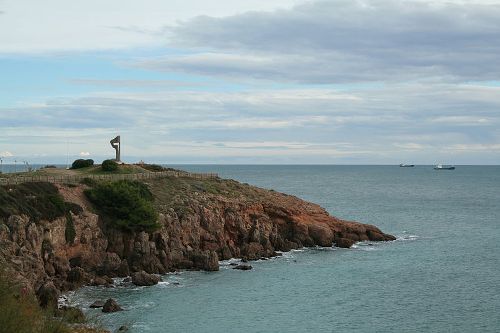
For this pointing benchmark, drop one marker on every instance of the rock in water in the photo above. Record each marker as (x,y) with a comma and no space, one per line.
(344,242)
(144,279)
(101,281)
(111,306)
(97,304)
(243,267)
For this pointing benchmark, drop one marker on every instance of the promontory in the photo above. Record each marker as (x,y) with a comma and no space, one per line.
(86,227)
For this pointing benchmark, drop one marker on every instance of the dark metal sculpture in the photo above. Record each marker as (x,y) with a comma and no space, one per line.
(115,143)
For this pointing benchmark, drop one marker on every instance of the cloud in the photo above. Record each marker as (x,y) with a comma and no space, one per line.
(409,146)
(343,41)
(371,125)
(318,82)
(135,83)
(84,153)
(6,154)
(463,120)
(494,148)
(60,26)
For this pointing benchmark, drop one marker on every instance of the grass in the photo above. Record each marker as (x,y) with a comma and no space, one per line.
(20,312)
(91,170)
(122,169)
(155,167)
(177,192)
(152,167)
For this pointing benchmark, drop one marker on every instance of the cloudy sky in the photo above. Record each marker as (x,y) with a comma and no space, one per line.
(254,81)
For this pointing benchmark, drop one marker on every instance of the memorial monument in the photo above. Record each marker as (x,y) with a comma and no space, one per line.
(115,143)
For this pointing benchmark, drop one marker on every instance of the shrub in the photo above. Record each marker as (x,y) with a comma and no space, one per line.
(109,165)
(152,167)
(88,181)
(125,204)
(81,163)
(69,232)
(47,246)
(38,200)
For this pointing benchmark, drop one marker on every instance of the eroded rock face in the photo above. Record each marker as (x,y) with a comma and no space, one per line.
(48,295)
(202,222)
(206,260)
(251,228)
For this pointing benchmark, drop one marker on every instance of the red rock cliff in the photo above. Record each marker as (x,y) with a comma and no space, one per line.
(202,222)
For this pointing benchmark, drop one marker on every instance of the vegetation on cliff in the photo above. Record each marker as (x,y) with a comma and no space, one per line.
(21,313)
(124,204)
(158,225)
(39,201)
(70,232)
(153,167)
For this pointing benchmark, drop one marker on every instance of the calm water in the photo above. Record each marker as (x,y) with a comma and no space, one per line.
(441,275)
(21,167)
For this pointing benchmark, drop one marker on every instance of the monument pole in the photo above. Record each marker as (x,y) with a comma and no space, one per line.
(115,143)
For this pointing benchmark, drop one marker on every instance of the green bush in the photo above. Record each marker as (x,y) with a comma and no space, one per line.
(125,204)
(81,163)
(109,165)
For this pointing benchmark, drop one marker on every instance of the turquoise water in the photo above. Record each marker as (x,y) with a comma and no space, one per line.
(441,275)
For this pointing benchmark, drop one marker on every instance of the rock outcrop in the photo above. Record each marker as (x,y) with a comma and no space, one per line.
(202,222)
(243,267)
(144,279)
(111,306)
(97,305)
(47,295)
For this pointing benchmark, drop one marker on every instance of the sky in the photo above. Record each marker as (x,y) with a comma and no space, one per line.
(251,82)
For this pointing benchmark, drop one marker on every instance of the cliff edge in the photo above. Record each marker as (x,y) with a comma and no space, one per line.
(53,237)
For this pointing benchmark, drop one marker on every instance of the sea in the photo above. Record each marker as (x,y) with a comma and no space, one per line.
(442,274)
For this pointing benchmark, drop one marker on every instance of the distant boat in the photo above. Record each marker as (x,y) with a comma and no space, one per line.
(444,167)
(402,165)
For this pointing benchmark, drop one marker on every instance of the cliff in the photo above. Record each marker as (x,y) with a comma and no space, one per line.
(53,246)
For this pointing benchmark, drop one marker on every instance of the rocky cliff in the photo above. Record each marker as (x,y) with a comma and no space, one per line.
(201,222)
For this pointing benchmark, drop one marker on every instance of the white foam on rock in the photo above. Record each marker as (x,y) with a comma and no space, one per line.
(406,237)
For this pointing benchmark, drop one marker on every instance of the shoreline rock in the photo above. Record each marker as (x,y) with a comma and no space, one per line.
(97,305)
(201,222)
(244,267)
(144,279)
(111,306)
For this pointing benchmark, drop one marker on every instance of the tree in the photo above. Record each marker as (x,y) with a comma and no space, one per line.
(109,165)
(125,204)
(81,163)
